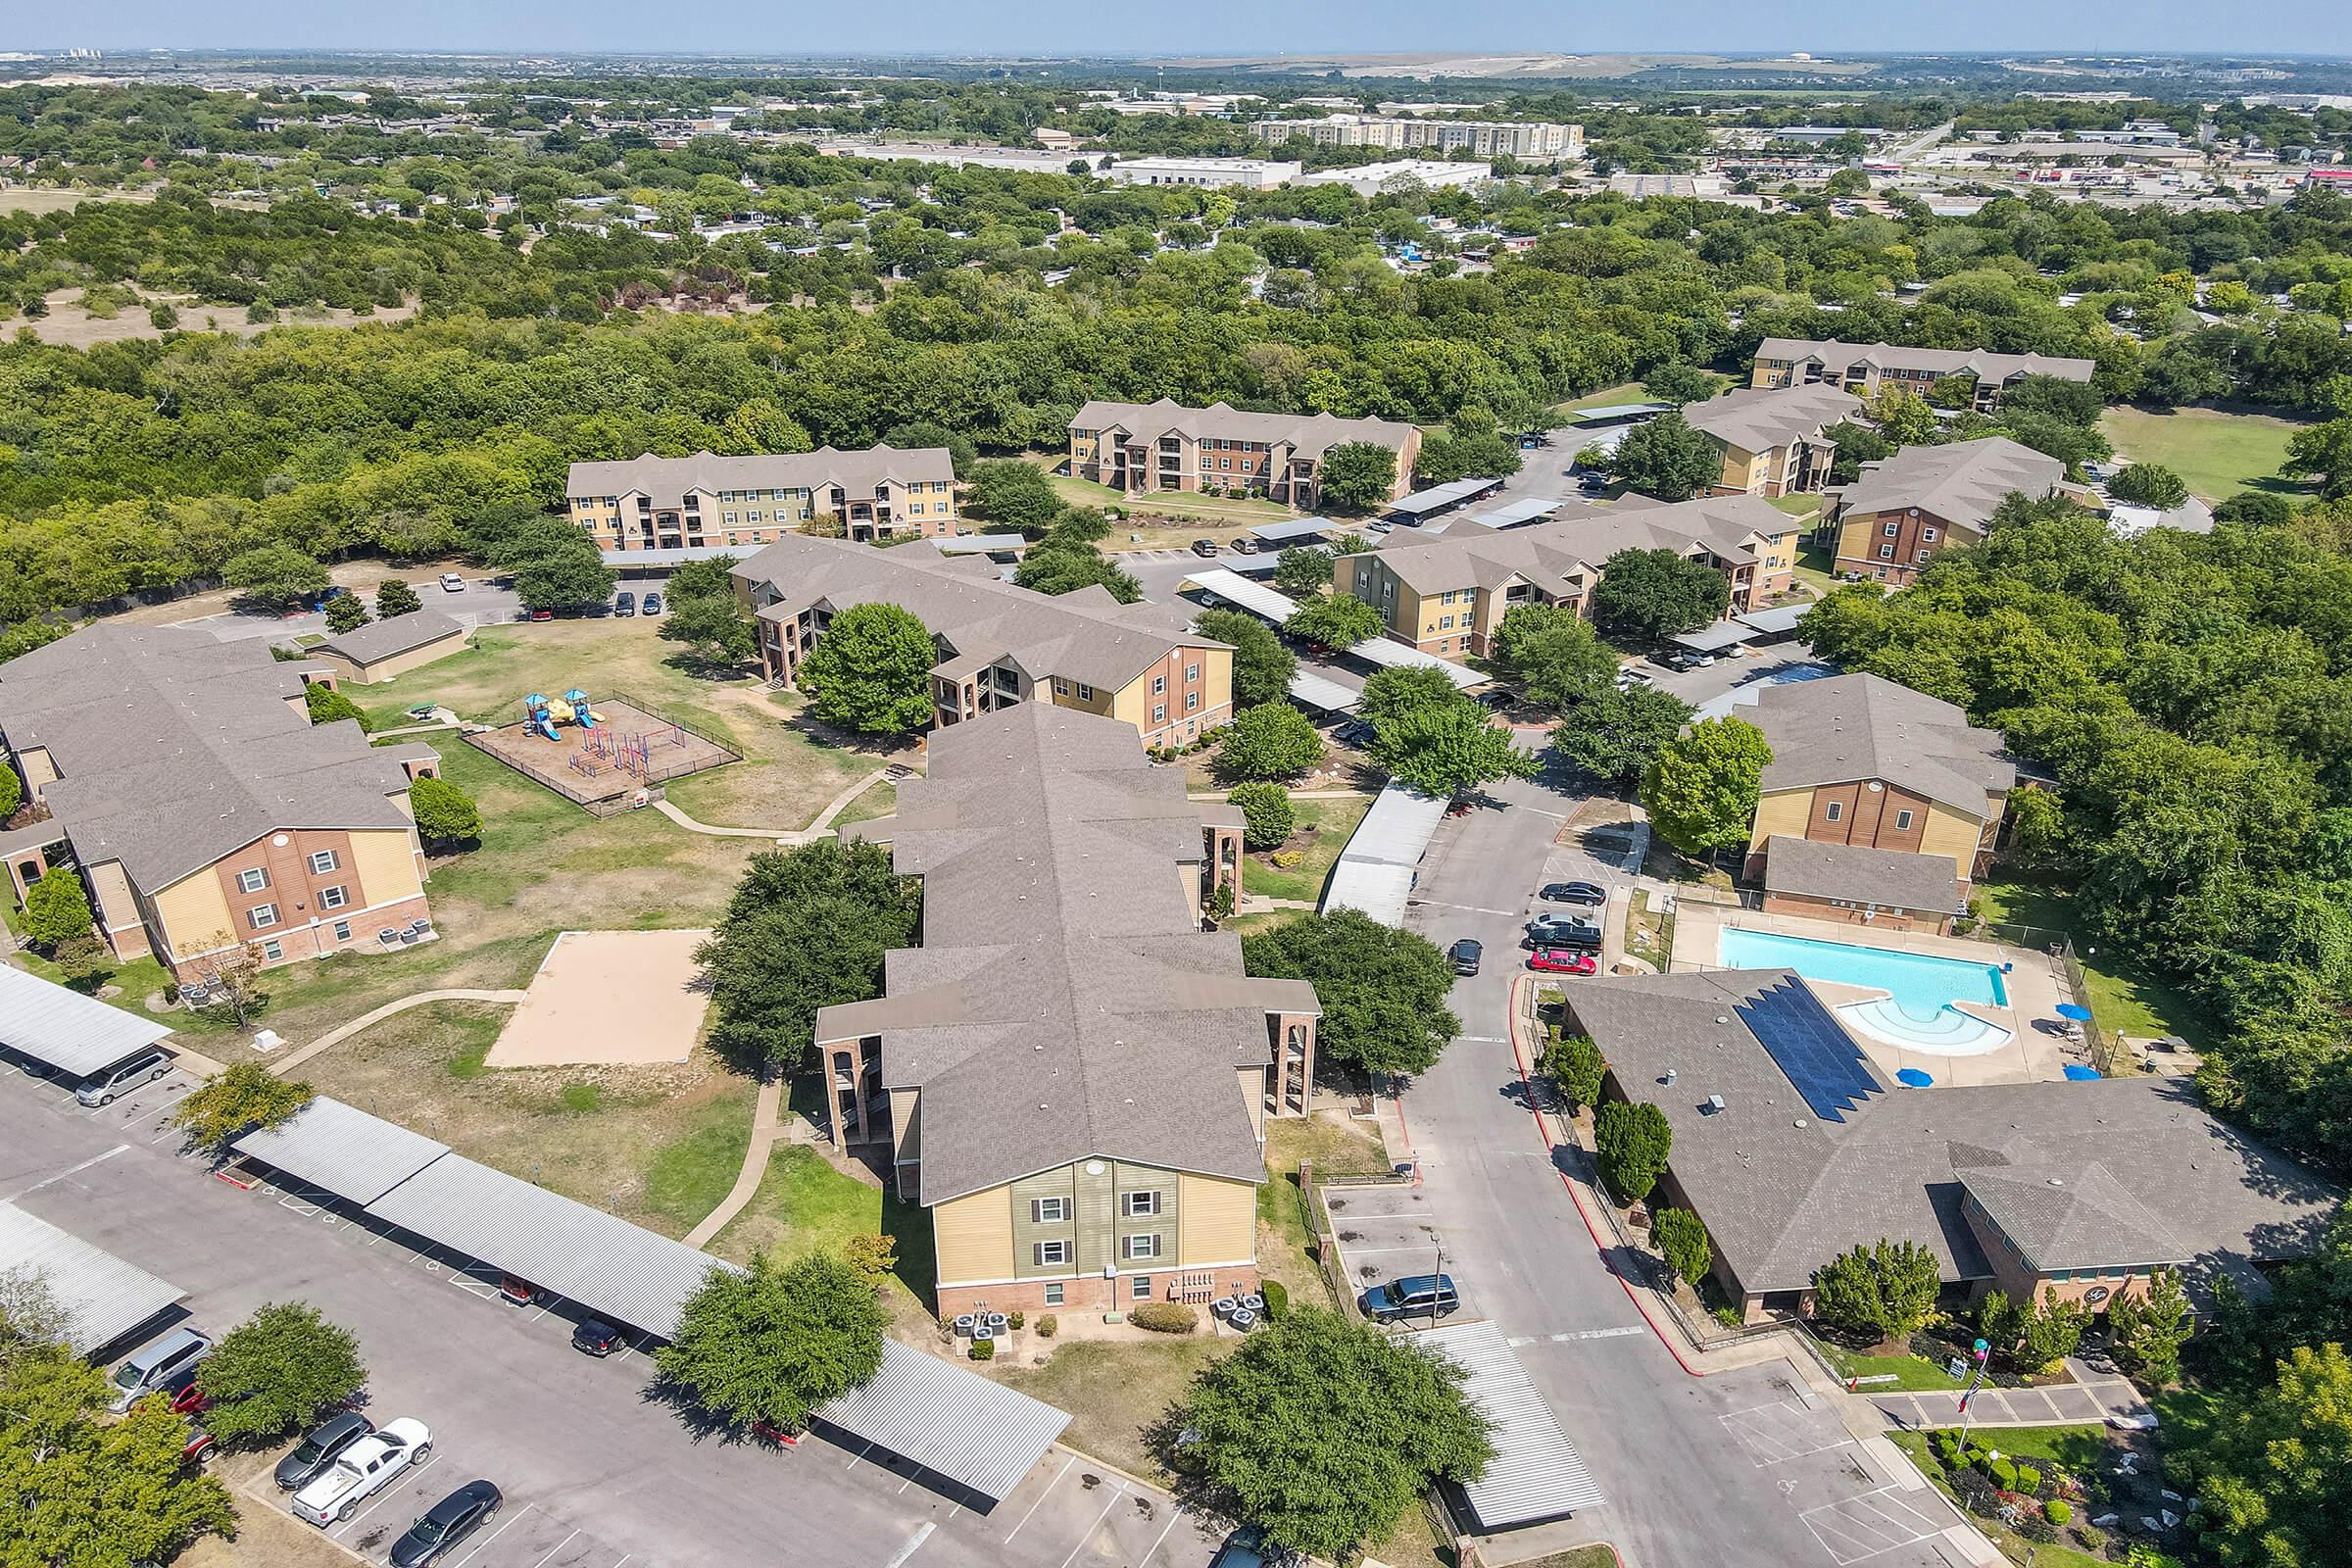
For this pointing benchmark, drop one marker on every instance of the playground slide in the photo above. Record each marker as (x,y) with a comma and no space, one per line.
(544,725)
(581,713)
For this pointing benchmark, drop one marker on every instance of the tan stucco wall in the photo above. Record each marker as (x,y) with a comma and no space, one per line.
(972,1235)
(1217,1220)
(1953,833)
(194,913)
(383,669)
(1782,814)
(386,862)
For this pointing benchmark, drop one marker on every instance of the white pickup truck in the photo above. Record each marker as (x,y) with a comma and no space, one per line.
(363,1470)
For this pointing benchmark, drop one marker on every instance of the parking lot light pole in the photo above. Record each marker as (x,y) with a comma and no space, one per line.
(1439,1243)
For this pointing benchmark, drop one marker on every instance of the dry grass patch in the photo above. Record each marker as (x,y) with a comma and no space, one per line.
(1115,1390)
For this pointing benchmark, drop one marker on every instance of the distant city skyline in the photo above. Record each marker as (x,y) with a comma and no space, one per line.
(1215,28)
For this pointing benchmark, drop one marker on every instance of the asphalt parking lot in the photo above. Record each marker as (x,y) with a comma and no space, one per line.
(1384,1233)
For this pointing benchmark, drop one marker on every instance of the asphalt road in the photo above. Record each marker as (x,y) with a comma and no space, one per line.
(479,605)
(1738,1466)
(595,1475)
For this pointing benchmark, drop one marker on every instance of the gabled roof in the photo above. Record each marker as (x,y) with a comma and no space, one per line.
(1308,435)
(1758,418)
(1983,364)
(1065,1003)
(395,634)
(1576,541)
(174,749)
(1961,483)
(665,481)
(2066,1213)
(1853,727)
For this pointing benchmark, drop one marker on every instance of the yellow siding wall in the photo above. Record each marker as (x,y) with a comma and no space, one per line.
(973,1237)
(387,865)
(194,913)
(1783,813)
(1216,1220)
(1741,469)
(1952,833)
(1101,702)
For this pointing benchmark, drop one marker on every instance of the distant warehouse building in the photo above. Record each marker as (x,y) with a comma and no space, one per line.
(1486,138)
(1249,173)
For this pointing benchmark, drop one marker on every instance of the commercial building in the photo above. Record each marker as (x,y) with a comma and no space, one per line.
(1370,179)
(1907,792)
(1000,645)
(1862,368)
(1069,1074)
(1487,138)
(1142,447)
(651,503)
(1793,1149)
(182,778)
(1250,173)
(1773,440)
(1447,595)
(1898,512)
(385,649)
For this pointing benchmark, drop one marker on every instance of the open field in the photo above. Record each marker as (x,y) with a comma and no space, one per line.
(1321,834)
(2215,451)
(67,324)
(805,1204)
(2124,1001)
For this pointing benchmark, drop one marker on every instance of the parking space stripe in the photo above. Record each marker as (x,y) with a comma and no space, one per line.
(1146,1560)
(386,1495)
(69,1170)
(1041,1497)
(559,1547)
(493,1535)
(1117,1490)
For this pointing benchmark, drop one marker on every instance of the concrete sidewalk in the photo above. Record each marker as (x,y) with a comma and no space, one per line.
(2062,1404)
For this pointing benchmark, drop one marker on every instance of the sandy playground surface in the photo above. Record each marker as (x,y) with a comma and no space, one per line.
(608,997)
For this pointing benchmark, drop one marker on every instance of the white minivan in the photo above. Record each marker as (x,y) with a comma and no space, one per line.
(153,1365)
(143,1068)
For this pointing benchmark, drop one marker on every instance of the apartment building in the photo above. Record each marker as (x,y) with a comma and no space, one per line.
(1900,510)
(1142,447)
(1000,645)
(1447,595)
(1069,1073)
(182,778)
(1487,138)
(651,503)
(1774,440)
(1862,368)
(1881,803)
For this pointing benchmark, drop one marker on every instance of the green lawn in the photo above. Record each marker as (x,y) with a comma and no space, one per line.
(1606,397)
(1178,506)
(1321,833)
(1911,1373)
(2124,1000)
(804,1204)
(1114,1389)
(2076,1449)
(2217,451)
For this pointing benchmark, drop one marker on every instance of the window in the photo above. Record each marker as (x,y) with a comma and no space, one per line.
(342,930)
(1141,1203)
(1061,688)
(1054,1295)
(1928,534)
(1903,820)
(1885,551)
(1047,1254)
(1140,1289)
(1049,1210)
(272,951)
(1891,530)
(1144,1245)
(1160,714)
(251,881)
(1086,693)
(1834,811)
(323,861)
(1160,684)
(263,916)
(1191,672)
(333,898)
(1192,700)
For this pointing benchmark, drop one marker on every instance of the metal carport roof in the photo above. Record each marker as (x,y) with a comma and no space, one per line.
(1512,514)
(1534,1474)
(953,1423)
(1390,654)
(1322,693)
(342,1150)
(67,1029)
(1295,530)
(1436,498)
(1239,591)
(1777,619)
(1375,872)
(1716,636)
(981,544)
(105,1297)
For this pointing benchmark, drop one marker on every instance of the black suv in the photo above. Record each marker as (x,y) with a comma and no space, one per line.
(1415,1295)
(318,1448)
(1562,931)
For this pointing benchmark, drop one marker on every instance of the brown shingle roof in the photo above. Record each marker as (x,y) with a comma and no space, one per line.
(1579,540)
(1760,419)
(1309,435)
(396,634)
(1852,727)
(1890,878)
(666,480)
(1983,364)
(1961,483)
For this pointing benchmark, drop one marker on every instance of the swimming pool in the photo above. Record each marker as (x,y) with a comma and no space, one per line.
(1917,1012)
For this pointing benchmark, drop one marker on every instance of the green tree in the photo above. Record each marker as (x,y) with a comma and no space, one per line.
(1614,733)
(1064,568)
(1884,1291)
(1574,1065)
(554,566)
(1631,1142)
(1856,444)
(1552,655)
(758,425)
(711,577)
(2275,1474)
(871,671)
(1682,1239)
(1703,787)
(276,574)
(445,814)
(1402,689)
(1655,594)
(11,791)
(1357,477)
(1303,571)
(1266,811)
(2035,1335)
(328,706)
(33,1315)
(282,1368)
(2322,452)
(345,612)
(1448,751)
(712,627)
(242,1096)
(396,598)
(2148,484)
(2147,1327)
(1383,990)
(920,433)
(1263,667)
(1271,740)
(1681,384)
(1323,1432)
(765,1346)
(807,928)
(1335,620)
(1013,494)
(57,909)
(1667,459)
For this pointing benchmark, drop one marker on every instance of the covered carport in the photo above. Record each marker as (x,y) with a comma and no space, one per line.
(1266,604)
(1716,637)
(1322,694)
(982,544)
(1375,872)
(1774,623)
(1534,1474)
(65,1031)
(103,1298)
(1296,531)
(1389,653)
(1440,499)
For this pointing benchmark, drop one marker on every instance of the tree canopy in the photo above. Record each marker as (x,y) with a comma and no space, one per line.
(766,1346)
(1882,1291)
(1383,990)
(1357,477)
(243,1096)
(1271,740)
(1335,620)
(1262,665)
(1666,460)
(279,1369)
(1552,655)
(1655,594)
(1614,733)
(1448,750)
(1703,787)
(871,671)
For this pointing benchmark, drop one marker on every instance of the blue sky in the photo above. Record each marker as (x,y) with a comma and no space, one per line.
(1209,27)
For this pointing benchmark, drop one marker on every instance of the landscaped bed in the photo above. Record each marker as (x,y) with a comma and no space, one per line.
(2036,1490)
(1313,849)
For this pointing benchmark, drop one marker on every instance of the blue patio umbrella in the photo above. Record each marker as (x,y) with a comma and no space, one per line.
(1913,1078)
(2077,1073)
(2075,1011)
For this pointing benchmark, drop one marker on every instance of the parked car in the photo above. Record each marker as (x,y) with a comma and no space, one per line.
(363,1470)
(653,604)
(144,1068)
(1357,732)
(1204,547)
(181,1390)
(1630,677)
(1465,955)
(1562,960)
(596,1339)
(445,1524)
(200,1445)
(1415,1295)
(1562,931)
(151,1366)
(318,1448)
(452,583)
(1246,1547)
(1244,545)
(1688,658)
(1575,893)
(543,615)
(625,603)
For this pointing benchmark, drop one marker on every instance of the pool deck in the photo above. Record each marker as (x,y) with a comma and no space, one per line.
(2033,984)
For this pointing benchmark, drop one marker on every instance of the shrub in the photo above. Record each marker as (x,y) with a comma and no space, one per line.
(2033,1527)
(1975,1491)
(2057,1510)
(984,1350)
(1631,1142)
(1682,1239)
(1164,1317)
(2028,1480)
(1266,811)
(1048,1326)
(1017,1320)
(1945,1445)
(1278,1299)
(2003,1473)
(1286,858)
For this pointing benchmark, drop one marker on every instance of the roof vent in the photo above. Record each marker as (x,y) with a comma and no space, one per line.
(2056,1182)
(1720,1018)
(1800,1122)
(1714,1103)
(1671,1075)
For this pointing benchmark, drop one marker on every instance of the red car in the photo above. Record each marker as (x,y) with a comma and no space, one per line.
(1560,961)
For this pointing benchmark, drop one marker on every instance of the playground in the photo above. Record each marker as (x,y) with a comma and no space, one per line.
(599,752)
(609,996)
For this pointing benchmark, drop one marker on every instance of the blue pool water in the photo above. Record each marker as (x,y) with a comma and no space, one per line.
(1920,986)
